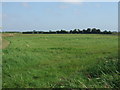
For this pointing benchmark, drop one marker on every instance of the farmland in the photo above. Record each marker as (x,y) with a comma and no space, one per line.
(60,61)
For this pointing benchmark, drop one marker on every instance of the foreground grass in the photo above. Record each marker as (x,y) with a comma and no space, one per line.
(65,61)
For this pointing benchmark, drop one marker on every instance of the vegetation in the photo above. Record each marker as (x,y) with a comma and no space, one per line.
(75,31)
(61,61)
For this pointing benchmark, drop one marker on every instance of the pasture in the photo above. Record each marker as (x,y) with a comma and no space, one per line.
(60,61)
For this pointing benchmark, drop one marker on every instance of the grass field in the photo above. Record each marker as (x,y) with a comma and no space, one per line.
(61,61)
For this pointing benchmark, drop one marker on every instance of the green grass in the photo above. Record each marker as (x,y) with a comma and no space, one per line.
(61,61)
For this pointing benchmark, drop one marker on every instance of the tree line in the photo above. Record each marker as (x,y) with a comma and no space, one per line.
(75,31)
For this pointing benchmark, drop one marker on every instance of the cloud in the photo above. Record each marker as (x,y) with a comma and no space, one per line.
(60,0)
(63,6)
(77,2)
(72,1)
(98,5)
(25,4)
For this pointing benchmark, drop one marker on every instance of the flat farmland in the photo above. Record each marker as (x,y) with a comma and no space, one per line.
(60,61)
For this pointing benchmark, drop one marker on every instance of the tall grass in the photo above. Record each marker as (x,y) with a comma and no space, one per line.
(61,61)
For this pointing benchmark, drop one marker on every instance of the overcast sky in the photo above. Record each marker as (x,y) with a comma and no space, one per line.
(22,16)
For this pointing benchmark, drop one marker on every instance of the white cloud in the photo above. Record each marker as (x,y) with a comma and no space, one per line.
(25,4)
(72,0)
(98,5)
(60,0)
(63,6)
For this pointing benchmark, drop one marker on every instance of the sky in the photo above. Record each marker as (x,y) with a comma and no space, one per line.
(45,16)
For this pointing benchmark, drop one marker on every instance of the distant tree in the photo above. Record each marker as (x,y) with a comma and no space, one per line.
(88,30)
(71,31)
(94,31)
(109,32)
(34,31)
(79,31)
(84,31)
(50,31)
(75,31)
(57,31)
(98,31)
(62,31)
(105,32)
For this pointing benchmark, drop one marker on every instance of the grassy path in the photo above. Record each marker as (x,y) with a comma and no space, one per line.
(4,44)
